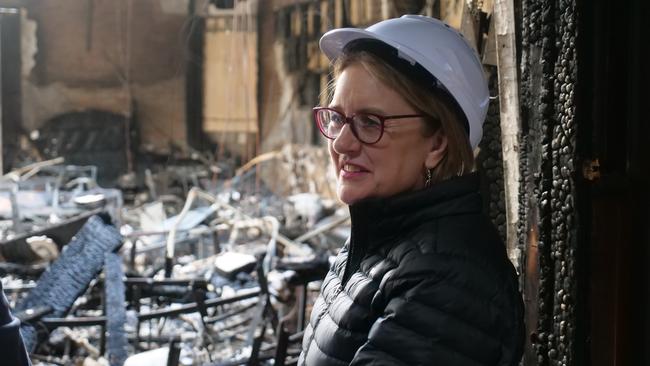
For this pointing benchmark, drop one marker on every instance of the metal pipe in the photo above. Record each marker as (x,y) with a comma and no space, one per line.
(302,307)
(138,234)
(18,289)
(171,239)
(279,237)
(183,309)
(193,307)
(229,314)
(30,170)
(146,281)
(310,234)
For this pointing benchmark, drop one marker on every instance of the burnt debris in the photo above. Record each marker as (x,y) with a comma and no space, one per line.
(211,272)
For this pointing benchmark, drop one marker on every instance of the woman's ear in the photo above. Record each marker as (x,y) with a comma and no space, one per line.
(438,150)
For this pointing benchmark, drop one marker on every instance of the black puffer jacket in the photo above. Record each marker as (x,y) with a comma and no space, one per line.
(12,348)
(423,280)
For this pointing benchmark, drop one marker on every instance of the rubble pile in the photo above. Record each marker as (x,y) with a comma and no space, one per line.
(187,268)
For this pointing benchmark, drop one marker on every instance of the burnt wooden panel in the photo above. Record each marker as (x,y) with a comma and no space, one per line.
(10,85)
(613,77)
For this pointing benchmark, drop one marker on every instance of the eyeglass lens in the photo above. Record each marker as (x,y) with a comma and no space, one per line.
(366,127)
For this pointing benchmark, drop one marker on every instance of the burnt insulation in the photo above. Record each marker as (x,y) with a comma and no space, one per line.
(548,165)
(69,276)
(116,341)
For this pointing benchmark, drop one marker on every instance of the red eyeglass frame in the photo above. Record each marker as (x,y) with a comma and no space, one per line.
(349,120)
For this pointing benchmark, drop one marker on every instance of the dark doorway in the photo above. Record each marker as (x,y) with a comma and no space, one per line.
(91,137)
(615,213)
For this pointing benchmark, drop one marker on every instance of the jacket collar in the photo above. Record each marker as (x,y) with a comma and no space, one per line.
(376,220)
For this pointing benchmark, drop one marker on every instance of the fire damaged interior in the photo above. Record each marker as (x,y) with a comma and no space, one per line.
(165,197)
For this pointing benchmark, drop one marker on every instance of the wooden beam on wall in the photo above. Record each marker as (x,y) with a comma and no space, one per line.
(338,14)
(468,27)
(489,56)
(324,17)
(504,15)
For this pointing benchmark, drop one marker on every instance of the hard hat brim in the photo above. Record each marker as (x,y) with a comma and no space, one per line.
(333,42)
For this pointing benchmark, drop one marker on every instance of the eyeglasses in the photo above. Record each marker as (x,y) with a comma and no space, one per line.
(366,127)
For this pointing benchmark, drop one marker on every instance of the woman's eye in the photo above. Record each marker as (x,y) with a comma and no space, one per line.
(336,118)
(367,121)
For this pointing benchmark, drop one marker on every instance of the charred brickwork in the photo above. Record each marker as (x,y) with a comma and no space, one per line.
(549,74)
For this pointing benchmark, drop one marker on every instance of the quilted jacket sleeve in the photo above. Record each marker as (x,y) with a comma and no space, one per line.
(442,310)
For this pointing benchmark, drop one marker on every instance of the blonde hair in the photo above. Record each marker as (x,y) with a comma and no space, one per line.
(458,159)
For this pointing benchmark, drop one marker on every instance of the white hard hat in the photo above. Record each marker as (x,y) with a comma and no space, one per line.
(439,49)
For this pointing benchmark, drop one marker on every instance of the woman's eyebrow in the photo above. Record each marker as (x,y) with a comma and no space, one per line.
(372,110)
(368,110)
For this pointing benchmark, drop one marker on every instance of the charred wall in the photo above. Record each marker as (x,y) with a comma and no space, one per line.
(490,164)
(550,170)
(584,201)
(124,57)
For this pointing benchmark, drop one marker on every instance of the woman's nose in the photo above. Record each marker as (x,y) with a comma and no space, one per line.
(346,141)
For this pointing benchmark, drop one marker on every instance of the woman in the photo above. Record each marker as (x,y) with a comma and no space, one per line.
(12,348)
(424,278)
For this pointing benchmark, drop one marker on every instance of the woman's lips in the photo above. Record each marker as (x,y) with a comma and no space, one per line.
(351,171)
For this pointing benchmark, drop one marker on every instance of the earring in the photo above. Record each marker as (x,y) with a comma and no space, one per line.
(427,178)
(461,170)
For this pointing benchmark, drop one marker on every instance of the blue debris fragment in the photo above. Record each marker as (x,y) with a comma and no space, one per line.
(69,276)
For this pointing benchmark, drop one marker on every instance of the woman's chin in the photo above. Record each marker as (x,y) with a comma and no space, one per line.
(349,195)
